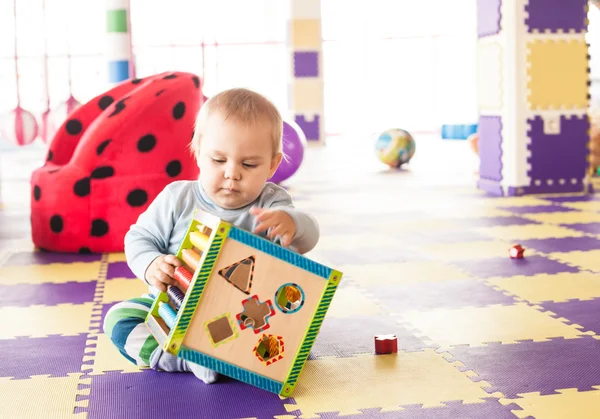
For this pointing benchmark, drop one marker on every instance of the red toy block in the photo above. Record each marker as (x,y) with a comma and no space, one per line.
(516,252)
(386,344)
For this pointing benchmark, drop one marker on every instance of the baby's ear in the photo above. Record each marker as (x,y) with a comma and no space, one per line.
(275,162)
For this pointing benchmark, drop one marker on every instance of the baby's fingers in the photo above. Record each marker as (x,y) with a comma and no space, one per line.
(172,260)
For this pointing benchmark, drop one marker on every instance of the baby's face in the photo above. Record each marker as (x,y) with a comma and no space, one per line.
(235,161)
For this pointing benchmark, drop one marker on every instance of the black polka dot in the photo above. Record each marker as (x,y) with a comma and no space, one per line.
(137,198)
(37,193)
(56,223)
(136,81)
(174,168)
(179,110)
(105,102)
(85,250)
(50,155)
(160,92)
(103,172)
(196,80)
(170,76)
(146,143)
(74,126)
(82,187)
(119,107)
(102,146)
(99,228)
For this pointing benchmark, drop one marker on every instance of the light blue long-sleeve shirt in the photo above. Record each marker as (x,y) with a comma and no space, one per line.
(161,228)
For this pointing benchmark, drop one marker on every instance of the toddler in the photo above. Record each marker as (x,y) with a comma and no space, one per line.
(238,147)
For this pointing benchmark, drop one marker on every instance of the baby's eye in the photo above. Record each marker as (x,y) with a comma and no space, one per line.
(249,166)
(218,160)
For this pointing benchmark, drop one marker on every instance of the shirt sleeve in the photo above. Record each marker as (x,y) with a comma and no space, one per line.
(149,237)
(307,227)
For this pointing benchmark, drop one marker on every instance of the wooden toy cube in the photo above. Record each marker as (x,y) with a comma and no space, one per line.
(246,308)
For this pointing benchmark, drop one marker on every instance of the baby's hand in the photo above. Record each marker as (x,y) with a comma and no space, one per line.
(277,222)
(161,271)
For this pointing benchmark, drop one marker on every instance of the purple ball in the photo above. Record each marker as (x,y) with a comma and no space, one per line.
(293,148)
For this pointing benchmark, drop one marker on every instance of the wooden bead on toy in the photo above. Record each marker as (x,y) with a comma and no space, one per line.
(183,277)
(386,344)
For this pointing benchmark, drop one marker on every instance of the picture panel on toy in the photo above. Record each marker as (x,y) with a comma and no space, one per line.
(255,311)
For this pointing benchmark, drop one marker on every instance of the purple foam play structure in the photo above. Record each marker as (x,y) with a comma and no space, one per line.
(488,17)
(294,142)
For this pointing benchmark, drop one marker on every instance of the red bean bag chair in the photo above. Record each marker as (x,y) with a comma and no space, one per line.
(110,159)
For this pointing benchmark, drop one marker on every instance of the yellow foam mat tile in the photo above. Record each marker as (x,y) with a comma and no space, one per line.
(120,289)
(592,206)
(399,273)
(574,217)
(107,358)
(466,212)
(307,95)
(306,33)
(41,321)
(477,326)
(489,68)
(528,232)
(584,260)
(506,202)
(51,273)
(568,61)
(544,287)
(471,250)
(406,225)
(116,257)
(569,403)
(355,241)
(350,302)
(386,381)
(41,396)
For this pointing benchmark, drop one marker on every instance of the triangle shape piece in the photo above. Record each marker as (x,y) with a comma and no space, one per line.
(240,274)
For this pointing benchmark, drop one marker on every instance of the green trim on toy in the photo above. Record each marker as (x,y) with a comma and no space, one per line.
(192,297)
(311,334)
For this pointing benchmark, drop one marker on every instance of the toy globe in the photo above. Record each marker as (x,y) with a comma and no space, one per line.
(395,147)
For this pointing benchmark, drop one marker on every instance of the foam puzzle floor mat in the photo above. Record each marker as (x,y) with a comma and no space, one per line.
(480,335)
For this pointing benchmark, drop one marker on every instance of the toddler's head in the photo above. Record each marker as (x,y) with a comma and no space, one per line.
(237,143)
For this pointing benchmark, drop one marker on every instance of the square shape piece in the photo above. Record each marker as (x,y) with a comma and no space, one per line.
(557,74)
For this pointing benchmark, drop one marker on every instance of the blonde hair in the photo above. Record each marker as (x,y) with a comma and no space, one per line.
(242,105)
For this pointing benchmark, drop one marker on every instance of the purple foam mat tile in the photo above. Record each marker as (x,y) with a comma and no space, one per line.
(507,267)
(306,64)
(490,409)
(119,270)
(45,258)
(153,394)
(549,158)
(583,313)
(23,295)
(536,209)
(488,17)
(572,198)
(369,255)
(349,336)
(590,228)
(565,244)
(441,295)
(554,16)
(490,148)
(55,355)
(458,235)
(533,366)
(311,126)
(482,222)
